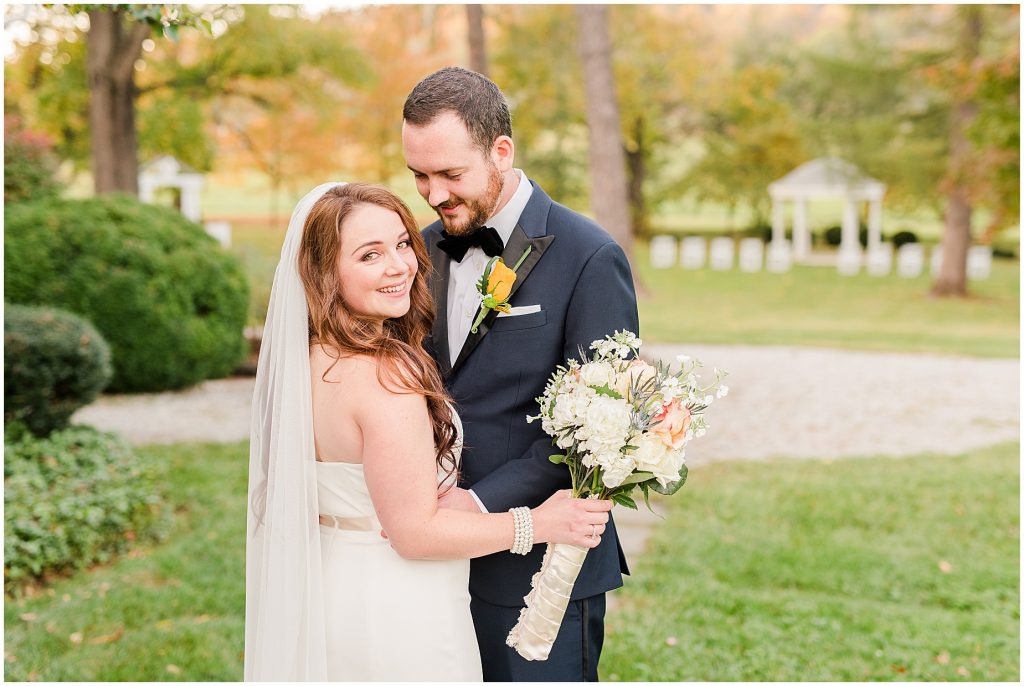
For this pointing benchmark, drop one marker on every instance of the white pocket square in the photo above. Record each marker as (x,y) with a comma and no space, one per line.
(519,311)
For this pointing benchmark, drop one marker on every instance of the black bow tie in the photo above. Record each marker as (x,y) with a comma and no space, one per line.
(484,238)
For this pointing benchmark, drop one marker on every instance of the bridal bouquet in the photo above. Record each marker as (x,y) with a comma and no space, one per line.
(623,424)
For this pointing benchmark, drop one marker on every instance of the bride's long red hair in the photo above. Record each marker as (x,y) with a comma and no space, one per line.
(397,346)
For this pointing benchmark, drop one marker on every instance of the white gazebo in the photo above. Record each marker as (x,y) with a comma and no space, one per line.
(827,177)
(167,172)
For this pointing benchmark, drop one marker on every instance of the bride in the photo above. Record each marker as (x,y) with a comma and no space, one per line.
(353,435)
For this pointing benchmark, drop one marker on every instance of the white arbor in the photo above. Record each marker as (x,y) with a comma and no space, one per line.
(167,172)
(827,177)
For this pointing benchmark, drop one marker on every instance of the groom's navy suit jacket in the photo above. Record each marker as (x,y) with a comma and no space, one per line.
(581,280)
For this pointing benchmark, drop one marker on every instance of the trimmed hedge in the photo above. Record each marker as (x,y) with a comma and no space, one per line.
(901,238)
(54,363)
(170,301)
(73,499)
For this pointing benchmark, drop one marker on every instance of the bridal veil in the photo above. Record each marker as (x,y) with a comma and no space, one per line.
(284,620)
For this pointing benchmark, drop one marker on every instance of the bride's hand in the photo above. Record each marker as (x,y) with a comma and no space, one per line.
(564,519)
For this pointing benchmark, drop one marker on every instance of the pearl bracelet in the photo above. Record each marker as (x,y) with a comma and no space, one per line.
(523,520)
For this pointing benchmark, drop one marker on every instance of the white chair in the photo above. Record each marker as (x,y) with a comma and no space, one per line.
(663,252)
(722,251)
(979,262)
(910,260)
(780,256)
(751,254)
(848,261)
(936,263)
(693,252)
(221,231)
(880,260)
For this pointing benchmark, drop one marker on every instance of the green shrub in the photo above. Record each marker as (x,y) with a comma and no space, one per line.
(30,165)
(54,363)
(834,235)
(901,238)
(73,499)
(169,300)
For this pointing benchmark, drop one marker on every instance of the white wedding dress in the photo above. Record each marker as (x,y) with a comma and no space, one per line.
(388,618)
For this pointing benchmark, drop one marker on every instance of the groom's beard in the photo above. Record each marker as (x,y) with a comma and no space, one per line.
(480,210)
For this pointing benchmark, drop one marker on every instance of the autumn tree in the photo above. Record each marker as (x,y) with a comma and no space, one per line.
(609,196)
(398,45)
(477,41)
(750,138)
(113,44)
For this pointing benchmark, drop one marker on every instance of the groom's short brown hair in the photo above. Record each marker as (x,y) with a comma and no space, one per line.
(477,101)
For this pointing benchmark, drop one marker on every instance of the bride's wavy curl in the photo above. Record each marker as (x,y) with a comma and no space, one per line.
(397,347)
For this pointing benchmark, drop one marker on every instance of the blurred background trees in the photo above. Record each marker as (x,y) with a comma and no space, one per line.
(714,102)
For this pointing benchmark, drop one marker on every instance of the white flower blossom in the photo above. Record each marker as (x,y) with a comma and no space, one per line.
(722,391)
(597,374)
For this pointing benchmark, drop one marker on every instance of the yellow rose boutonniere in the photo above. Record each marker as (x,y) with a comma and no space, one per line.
(495,285)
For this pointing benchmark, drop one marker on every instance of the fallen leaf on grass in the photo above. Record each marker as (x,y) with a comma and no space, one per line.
(51,627)
(66,598)
(942,658)
(945,567)
(202,619)
(164,625)
(899,669)
(75,637)
(108,638)
(963,671)
(29,616)
(174,669)
(12,658)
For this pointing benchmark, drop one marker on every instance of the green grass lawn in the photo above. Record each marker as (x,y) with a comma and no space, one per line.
(777,570)
(806,306)
(817,306)
(872,569)
(175,611)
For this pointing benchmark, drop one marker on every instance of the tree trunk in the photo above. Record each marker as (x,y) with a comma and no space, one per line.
(637,174)
(477,44)
(112,48)
(609,194)
(952,277)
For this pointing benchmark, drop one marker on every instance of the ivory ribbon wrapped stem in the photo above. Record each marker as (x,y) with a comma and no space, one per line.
(535,632)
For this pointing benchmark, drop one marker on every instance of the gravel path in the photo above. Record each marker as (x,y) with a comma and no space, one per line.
(798,402)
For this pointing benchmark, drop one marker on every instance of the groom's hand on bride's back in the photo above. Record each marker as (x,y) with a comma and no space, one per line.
(457,499)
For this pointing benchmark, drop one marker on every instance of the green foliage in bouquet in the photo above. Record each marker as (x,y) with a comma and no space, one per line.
(54,363)
(74,499)
(170,302)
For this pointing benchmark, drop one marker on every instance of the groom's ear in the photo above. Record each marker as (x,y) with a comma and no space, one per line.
(503,153)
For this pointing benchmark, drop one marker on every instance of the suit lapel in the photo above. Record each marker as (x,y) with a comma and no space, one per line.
(439,292)
(518,242)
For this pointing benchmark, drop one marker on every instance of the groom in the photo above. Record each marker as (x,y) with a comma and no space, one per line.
(574,287)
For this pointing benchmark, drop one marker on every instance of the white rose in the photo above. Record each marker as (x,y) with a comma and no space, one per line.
(652,455)
(597,374)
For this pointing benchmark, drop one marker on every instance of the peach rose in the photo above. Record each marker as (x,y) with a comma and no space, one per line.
(671,424)
(637,370)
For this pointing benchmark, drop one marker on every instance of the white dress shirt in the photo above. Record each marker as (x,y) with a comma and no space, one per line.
(463,298)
